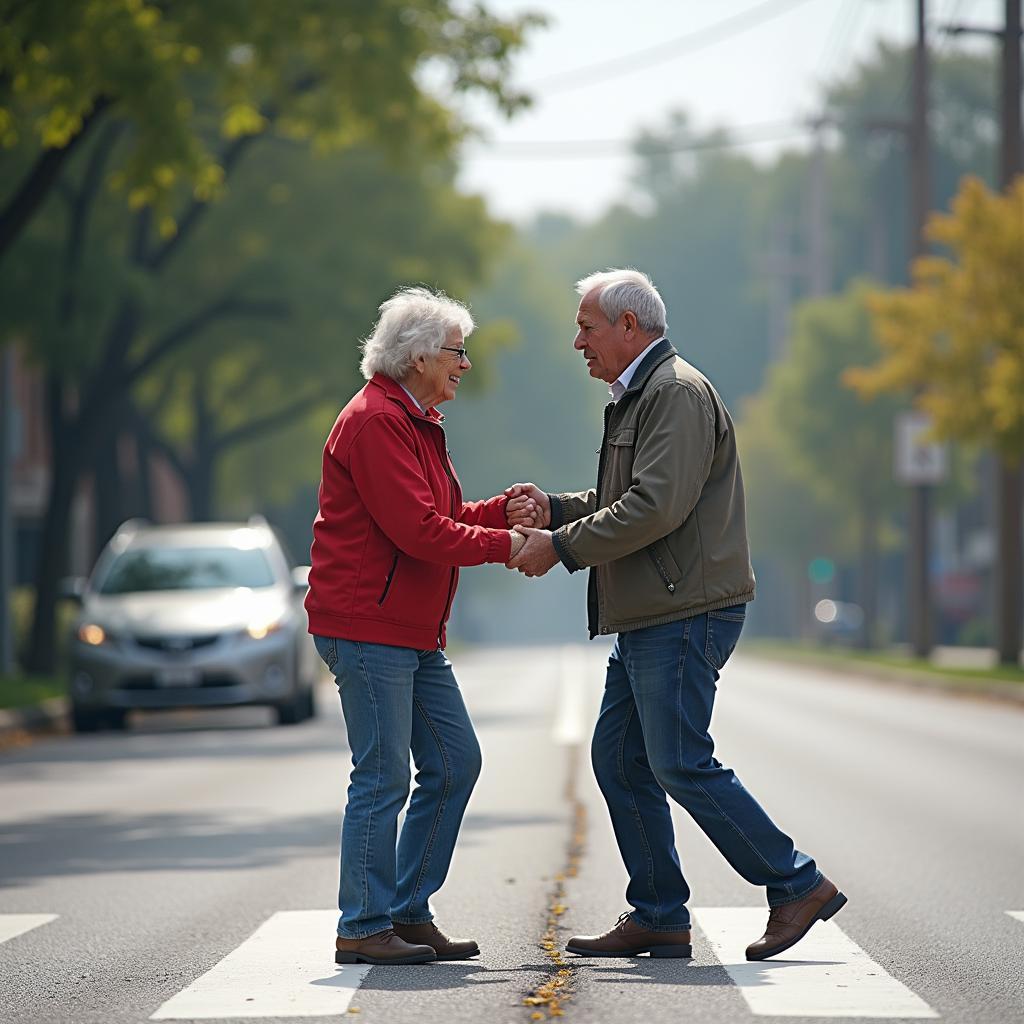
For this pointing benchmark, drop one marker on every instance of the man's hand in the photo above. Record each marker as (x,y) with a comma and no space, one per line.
(537,555)
(527,505)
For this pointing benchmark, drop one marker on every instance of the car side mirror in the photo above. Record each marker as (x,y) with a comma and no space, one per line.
(72,588)
(300,578)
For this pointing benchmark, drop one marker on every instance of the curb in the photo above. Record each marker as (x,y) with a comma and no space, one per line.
(48,716)
(1009,693)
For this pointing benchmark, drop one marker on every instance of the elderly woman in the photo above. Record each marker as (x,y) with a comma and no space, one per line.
(390,535)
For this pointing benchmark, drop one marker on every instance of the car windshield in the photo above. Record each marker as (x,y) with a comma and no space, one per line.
(172,568)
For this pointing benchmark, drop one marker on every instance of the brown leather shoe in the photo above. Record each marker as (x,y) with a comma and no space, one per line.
(381,948)
(789,923)
(428,934)
(628,938)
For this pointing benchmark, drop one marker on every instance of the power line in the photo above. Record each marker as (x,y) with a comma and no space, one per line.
(589,149)
(642,60)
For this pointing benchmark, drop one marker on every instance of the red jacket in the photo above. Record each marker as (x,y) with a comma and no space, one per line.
(392,527)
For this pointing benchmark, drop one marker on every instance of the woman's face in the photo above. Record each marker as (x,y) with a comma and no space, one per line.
(437,376)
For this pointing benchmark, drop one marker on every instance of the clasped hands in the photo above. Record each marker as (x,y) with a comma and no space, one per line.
(528,512)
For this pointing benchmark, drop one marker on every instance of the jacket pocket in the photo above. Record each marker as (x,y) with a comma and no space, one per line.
(665,563)
(387,582)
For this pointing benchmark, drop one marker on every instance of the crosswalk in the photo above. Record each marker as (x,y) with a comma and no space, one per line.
(281,971)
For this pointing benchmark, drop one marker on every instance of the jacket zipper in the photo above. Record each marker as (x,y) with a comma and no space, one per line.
(387,582)
(663,572)
(451,578)
(600,473)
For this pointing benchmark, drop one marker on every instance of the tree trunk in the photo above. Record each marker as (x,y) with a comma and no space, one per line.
(41,655)
(1009,574)
(869,573)
(109,490)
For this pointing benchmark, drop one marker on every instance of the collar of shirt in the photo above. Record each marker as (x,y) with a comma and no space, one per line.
(618,388)
(412,396)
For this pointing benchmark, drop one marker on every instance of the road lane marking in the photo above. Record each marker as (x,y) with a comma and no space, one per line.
(569,728)
(826,975)
(283,969)
(13,925)
(1017,915)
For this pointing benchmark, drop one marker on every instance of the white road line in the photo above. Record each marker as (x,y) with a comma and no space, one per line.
(282,970)
(570,726)
(13,925)
(1017,914)
(826,975)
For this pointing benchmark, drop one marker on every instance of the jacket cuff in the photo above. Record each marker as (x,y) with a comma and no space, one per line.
(557,512)
(500,548)
(561,542)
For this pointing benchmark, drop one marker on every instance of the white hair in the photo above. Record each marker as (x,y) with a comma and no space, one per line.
(413,322)
(627,289)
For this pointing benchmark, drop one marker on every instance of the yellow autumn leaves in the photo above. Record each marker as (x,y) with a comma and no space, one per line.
(956,336)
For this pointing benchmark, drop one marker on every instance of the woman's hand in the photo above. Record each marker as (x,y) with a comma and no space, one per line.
(527,505)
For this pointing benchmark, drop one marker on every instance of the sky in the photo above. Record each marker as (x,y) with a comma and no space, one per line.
(727,63)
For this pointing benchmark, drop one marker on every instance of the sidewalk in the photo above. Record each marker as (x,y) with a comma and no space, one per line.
(48,716)
(970,681)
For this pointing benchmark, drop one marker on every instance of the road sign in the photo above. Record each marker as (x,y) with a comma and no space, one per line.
(917,460)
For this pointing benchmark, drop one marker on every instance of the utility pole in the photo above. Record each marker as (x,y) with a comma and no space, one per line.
(6,505)
(1010,480)
(819,274)
(1009,476)
(919,583)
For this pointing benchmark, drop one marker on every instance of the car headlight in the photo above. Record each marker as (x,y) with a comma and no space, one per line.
(262,628)
(92,634)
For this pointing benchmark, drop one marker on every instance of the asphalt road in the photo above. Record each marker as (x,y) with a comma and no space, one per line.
(187,870)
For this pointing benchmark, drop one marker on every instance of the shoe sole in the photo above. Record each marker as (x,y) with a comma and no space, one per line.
(359,958)
(831,908)
(681,952)
(459,956)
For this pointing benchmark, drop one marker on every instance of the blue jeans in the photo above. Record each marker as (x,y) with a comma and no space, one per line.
(651,739)
(396,700)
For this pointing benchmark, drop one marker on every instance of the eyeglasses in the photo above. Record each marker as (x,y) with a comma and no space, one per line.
(460,352)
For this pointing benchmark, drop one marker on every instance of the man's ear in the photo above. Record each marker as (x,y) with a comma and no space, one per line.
(629,320)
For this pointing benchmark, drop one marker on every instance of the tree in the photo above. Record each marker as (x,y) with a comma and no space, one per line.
(789,523)
(347,75)
(250,380)
(840,447)
(343,71)
(955,339)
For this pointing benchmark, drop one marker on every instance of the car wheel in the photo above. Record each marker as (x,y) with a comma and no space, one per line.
(296,710)
(85,719)
(115,719)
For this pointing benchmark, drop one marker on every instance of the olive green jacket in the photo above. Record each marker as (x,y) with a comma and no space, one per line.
(665,529)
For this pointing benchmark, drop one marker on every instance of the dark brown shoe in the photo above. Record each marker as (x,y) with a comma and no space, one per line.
(628,938)
(381,948)
(428,934)
(789,923)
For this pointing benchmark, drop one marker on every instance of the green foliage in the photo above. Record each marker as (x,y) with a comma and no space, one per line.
(344,72)
(840,446)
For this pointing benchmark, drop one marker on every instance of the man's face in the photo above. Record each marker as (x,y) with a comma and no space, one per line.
(604,345)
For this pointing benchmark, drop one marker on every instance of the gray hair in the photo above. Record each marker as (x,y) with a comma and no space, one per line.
(413,322)
(630,289)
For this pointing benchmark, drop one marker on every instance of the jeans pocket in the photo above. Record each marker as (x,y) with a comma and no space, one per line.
(327,648)
(723,633)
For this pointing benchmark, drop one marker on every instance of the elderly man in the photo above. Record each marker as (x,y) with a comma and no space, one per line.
(664,535)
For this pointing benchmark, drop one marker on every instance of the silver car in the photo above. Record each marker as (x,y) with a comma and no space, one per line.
(196,615)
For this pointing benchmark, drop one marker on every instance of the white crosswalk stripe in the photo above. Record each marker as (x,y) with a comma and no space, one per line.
(13,925)
(282,970)
(827,975)
(1017,915)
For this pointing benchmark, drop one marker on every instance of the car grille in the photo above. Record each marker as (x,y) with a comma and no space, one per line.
(176,644)
(150,683)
